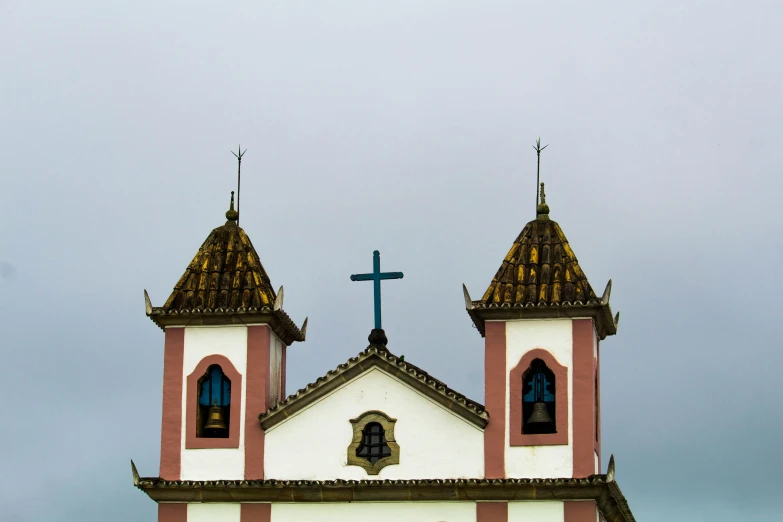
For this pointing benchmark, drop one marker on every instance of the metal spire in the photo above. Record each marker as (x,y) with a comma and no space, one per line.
(538,149)
(238,156)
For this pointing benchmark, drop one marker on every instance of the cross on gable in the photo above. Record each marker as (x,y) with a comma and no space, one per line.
(376,277)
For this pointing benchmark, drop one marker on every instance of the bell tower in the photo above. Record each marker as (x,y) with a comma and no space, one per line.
(226,337)
(542,324)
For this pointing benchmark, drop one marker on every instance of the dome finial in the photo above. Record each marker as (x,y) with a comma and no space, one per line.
(238,154)
(542,210)
(538,148)
(232,215)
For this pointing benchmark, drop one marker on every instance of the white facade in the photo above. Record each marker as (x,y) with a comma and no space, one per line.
(376,512)
(231,343)
(527,511)
(536,511)
(556,337)
(214,512)
(434,442)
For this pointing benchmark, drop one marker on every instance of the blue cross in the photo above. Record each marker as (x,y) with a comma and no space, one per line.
(376,278)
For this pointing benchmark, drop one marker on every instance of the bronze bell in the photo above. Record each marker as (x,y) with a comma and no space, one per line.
(540,415)
(215,420)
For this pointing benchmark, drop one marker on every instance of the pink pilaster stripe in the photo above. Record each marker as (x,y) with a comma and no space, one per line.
(171,425)
(173,512)
(579,511)
(583,399)
(255,513)
(495,400)
(491,511)
(258,340)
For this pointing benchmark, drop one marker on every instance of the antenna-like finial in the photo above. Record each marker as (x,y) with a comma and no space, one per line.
(238,154)
(231,214)
(542,209)
(538,149)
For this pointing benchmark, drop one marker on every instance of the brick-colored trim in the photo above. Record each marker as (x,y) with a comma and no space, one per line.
(579,511)
(232,441)
(171,424)
(495,400)
(560,437)
(598,403)
(583,398)
(491,511)
(255,513)
(257,396)
(282,371)
(172,512)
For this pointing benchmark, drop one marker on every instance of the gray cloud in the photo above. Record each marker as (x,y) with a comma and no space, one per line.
(405,128)
(7,270)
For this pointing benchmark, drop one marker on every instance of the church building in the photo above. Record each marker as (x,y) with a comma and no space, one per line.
(378,438)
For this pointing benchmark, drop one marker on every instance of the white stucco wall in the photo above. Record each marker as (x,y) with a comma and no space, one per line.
(555,336)
(230,342)
(378,512)
(213,512)
(434,442)
(535,511)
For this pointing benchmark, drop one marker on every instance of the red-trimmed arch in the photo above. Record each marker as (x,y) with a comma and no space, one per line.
(193,442)
(516,437)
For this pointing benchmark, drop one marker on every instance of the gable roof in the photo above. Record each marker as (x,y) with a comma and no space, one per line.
(377,356)
(541,277)
(226,283)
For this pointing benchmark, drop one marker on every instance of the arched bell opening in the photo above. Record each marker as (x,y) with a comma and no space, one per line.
(538,399)
(374,446)
(214,404)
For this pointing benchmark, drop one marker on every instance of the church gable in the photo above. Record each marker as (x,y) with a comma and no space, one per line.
(374,424)
(378,356)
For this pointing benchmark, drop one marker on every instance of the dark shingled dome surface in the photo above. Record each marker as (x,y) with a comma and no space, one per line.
(226,272)
(539,268)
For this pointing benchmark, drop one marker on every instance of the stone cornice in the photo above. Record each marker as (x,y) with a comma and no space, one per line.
(600,488)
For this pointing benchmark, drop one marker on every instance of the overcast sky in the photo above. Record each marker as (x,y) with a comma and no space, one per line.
(405,127)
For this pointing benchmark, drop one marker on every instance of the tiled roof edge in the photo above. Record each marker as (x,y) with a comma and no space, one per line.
(288,328)
(156,482)
(607,324)
(605,492)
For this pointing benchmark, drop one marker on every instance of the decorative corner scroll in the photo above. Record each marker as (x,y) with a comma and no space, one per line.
(468,301)
(135,472)
(304,329)
(358,425)
(610,470)
(607,293)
